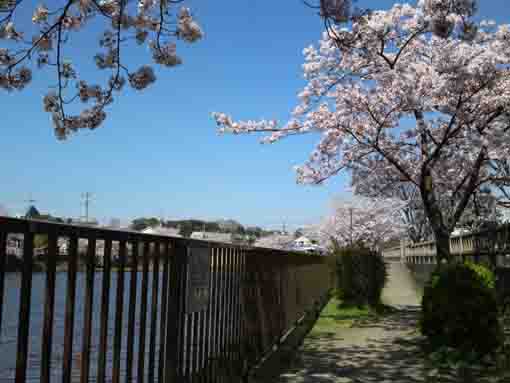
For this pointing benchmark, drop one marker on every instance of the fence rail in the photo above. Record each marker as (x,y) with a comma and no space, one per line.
(159,309)
(488,245)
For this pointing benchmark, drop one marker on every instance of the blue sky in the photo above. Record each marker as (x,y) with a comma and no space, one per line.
(159,153)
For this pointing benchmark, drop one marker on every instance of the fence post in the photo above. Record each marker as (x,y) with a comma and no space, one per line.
(176,314)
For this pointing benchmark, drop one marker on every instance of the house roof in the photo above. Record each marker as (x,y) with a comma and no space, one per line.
(160,230)
(302,239)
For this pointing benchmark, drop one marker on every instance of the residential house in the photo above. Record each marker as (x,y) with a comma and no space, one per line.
(163,231)
(212,236)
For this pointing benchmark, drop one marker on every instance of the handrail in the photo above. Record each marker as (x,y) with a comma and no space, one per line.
(181,309)
(481,243)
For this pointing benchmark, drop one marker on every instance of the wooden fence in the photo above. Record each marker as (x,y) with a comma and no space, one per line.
(190,311)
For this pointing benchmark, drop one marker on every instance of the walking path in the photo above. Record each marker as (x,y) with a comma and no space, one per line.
(380,350)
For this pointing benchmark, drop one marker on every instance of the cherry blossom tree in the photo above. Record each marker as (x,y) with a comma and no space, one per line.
(40,43)
(420,93)
(367,221)
(482,208)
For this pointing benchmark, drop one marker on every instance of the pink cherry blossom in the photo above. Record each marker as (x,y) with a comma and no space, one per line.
(395,94)
(157,23)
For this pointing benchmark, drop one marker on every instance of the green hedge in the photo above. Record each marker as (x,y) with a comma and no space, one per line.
(361,275)
(459,309)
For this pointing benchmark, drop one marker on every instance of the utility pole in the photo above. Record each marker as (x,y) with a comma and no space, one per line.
(86,197)
(30,201)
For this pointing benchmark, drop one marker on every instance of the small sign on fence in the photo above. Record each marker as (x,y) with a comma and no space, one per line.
(199,272)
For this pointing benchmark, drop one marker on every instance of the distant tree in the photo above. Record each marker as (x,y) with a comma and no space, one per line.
(186,228)
(41,44)
(361,221)
(230,226)
(298,233)
(254,231)
(32,213)
(143,223)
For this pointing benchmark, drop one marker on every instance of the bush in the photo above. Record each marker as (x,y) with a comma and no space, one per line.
(361,275)
(459,309)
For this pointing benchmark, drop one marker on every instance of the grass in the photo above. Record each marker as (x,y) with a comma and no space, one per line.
(337,314)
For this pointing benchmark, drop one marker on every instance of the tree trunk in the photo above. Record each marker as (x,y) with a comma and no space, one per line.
(436,219)
(442,246)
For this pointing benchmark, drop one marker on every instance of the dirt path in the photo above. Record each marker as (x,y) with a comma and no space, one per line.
(401,290)
(374,351)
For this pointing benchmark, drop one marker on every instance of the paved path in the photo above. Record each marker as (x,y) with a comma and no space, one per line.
(374,351)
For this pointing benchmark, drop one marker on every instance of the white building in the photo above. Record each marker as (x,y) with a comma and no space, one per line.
(163,231)
(304,244)
(212,236)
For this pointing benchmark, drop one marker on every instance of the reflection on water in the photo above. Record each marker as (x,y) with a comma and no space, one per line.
(11,311)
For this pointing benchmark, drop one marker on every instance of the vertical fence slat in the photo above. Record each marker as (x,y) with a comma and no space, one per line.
(143,312)
(154,313)
(69,310)
(231,344)
(87,315)
(228,294)
(212,305)
(223,314)
(117,338)
(194,351)
(165,260)
(202,344)
(24,311)
(217,318)
(49,306)
(206,327)
(238,313)
(3,260)
(132,311)
(189,345)
(105,302)
(175,323)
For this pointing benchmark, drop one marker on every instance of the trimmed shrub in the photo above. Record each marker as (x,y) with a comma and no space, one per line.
(361,275)
(459,309)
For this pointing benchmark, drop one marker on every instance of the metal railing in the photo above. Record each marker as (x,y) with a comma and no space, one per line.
(488,245)
(190,310)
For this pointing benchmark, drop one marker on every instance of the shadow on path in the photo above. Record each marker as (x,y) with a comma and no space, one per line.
(378,349)
(384,350)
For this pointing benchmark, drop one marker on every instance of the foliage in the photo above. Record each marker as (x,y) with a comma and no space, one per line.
(41,44)
(484,274)
(459,309)
(40,240)
(143,223)
(415,95)
(361,275)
